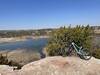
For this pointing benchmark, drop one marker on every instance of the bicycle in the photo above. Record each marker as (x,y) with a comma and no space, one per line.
(81,52)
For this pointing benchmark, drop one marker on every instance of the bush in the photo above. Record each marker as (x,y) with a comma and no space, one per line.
(4,61)
(61,38)
(96,53)
(12,63)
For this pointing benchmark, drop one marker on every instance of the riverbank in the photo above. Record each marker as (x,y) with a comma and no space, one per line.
(21,56)
(23,38)
(24,51)
(15,39)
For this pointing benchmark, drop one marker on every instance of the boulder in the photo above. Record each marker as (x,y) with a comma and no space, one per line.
(60,66)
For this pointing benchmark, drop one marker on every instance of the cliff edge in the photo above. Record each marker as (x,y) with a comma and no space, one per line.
(57,66)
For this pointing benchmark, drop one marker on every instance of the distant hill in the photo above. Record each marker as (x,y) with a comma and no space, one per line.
(19,33)
(96,27)
(37,32)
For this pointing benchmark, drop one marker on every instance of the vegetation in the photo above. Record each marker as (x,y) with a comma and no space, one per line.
(4,61)
(19,33)
(40,32)
(60,39)
(96,53)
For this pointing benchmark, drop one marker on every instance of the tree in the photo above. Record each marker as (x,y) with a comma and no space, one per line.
(61,38)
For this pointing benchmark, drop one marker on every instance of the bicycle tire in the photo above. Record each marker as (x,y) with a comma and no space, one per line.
(85,54)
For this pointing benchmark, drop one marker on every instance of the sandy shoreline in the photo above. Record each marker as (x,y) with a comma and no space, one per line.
(5,40)
(15,39)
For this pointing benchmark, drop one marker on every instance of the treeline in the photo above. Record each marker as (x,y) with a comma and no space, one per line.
(19,33)
(39,32)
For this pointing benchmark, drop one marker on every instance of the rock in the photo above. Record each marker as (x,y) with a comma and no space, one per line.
(60,66)
(5,69)
(21,56)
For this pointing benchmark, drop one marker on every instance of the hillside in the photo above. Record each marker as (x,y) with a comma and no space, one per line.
(57,66)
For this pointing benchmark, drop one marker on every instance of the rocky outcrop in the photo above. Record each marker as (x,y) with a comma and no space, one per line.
(21,56)
(58,66)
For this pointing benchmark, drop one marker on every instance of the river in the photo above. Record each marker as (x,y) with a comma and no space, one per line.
(35,45)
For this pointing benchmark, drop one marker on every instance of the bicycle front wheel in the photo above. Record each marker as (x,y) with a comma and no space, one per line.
(85,54)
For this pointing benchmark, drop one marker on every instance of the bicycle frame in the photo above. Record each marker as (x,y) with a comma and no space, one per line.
(80,51)
(76,47)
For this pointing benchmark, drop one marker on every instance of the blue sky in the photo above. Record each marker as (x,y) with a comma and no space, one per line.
(34,14)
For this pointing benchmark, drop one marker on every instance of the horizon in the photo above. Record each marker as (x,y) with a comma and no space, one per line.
(46,28)
(44,14)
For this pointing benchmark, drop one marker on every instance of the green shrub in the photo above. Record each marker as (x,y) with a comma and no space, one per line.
(61,38)
(3,59)
(12,63)
(96,53)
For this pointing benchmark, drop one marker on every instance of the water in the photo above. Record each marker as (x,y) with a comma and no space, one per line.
(29,44)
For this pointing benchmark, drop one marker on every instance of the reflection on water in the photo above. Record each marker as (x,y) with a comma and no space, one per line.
(29,44)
